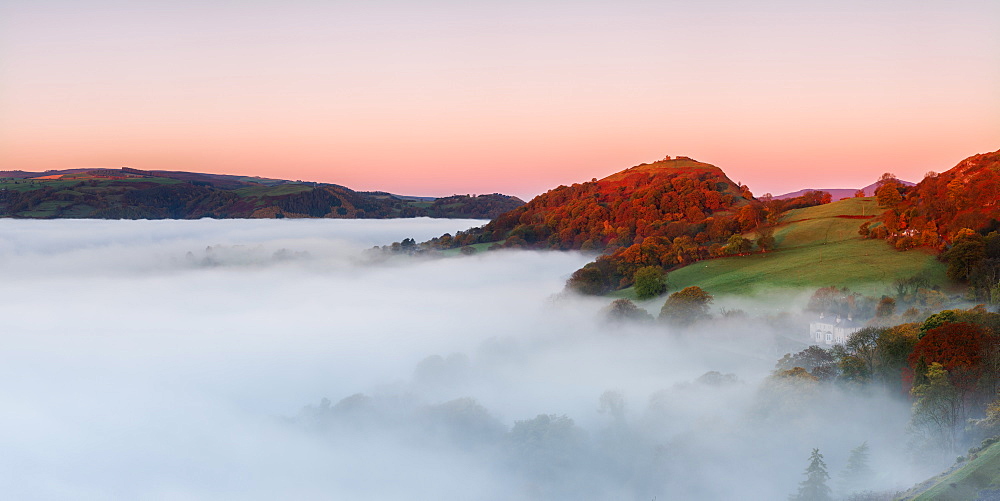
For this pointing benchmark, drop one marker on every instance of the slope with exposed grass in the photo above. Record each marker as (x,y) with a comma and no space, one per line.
(966,482)
(816,247)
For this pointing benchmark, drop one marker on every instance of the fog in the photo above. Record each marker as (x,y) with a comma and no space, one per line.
(191,360)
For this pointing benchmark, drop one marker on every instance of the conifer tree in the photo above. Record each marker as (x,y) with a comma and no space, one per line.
(814,487)
(858,472)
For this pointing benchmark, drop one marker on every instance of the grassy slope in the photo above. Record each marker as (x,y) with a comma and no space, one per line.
(272,191)
(815,248)
(686,165)
(983,472)
(71,186)
(479,248)
(28,185)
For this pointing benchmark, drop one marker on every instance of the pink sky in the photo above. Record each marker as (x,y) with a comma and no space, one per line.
(435,98)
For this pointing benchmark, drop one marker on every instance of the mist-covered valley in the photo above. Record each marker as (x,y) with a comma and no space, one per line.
(263,359)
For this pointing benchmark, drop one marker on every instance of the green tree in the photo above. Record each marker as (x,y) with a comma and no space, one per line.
(865,347)
(594,278)
(894,346)
(737,245)
(963,257)
(814,487)
(809,359)
(650,281)
(858,474)
(937,320)
(686,307)
(547,446)
(622,310)
(937,408)
(765,238)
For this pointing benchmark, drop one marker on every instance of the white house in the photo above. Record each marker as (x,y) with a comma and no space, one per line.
(831,331)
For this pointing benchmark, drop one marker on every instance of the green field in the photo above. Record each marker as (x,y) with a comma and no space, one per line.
(28,185)
(63,184)
(49,208)
(983,472)
(479,248)
(272,191)
(816,247)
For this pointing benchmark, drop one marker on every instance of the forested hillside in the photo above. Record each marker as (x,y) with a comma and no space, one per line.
(135,194)
(957,213)
(934,212)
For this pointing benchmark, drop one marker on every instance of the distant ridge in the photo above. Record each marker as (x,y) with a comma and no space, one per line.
(128,193)
(838,193)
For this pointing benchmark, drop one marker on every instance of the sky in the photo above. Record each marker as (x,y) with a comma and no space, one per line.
(441,97)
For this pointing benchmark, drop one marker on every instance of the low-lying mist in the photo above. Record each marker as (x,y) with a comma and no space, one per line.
(254,359)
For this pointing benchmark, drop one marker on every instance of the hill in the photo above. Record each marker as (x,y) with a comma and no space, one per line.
(663,214)
(664,200)
(814,247)
(135,194)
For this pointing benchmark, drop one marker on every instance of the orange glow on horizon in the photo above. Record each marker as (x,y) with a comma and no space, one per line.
(512,98)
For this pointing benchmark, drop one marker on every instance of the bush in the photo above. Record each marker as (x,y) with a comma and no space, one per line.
(650,281)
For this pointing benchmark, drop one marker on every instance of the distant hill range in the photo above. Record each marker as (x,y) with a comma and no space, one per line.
(128,193)
(840,193)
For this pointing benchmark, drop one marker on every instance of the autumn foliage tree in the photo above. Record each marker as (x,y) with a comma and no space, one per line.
(958,347)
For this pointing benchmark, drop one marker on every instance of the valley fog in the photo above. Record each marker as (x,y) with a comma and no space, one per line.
(264,359)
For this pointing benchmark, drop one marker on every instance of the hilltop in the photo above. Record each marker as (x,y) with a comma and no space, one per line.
(136,194)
